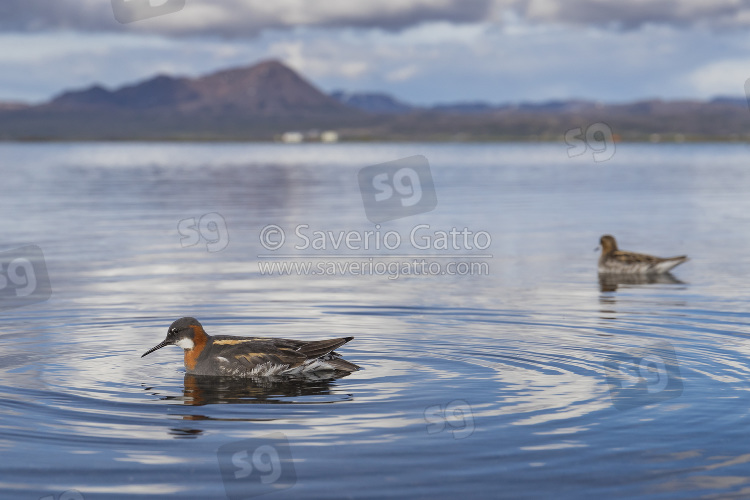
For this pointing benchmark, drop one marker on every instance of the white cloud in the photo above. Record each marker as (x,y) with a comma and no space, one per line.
(402,74)
(241,18)
(426,63)
(721,78)
(248,18)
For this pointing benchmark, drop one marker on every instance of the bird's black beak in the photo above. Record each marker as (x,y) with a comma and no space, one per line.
(595,250)
(163,344)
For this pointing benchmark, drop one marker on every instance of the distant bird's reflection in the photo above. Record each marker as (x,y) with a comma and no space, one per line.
(201,390)
(610,282)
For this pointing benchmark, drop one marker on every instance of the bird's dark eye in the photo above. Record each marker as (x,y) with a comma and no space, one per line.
(173,331)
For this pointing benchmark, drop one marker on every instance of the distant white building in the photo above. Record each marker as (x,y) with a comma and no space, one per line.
(311,135)
(329,136)
(292,137)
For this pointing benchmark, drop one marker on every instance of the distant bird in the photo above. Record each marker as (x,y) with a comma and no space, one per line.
(614,261)
(223,355)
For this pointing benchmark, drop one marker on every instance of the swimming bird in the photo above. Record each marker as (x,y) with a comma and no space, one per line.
(223,355)
(616,261)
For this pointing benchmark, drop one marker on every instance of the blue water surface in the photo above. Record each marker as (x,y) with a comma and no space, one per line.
(526,376)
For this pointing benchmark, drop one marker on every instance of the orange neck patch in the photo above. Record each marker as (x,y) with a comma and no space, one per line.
(199,340)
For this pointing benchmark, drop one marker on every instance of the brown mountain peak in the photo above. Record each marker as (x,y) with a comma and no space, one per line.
(268,88)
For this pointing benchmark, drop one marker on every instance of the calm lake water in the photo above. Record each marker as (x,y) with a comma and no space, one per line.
(505,369)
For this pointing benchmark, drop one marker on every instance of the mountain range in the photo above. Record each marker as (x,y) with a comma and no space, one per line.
(266,89)
(263,101)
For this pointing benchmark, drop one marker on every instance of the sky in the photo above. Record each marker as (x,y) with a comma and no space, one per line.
(420,51)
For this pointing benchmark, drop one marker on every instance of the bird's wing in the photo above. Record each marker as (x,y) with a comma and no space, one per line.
(252,352)
(635,258)
(252,360)
(319,348)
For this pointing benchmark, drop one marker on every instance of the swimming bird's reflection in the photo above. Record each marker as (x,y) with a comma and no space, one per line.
(610,282)
(199,390)
(202,390)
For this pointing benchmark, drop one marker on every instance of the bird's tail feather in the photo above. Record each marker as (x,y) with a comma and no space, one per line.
(320,348)
(343,365)
(667,264)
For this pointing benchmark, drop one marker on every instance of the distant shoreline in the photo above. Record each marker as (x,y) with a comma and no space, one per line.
(284,106)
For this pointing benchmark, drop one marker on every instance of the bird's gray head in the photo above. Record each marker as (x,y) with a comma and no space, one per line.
(181,333)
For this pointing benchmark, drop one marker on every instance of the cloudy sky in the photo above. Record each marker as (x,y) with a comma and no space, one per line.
(421,51)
